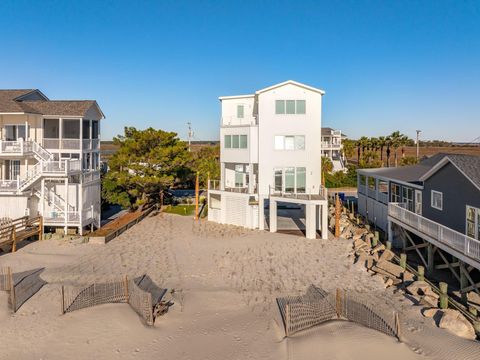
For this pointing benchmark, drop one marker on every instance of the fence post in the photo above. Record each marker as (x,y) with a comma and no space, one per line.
(421,273)
(125,279)
(287,319)
(63,299)
(13,300)
(397,326)
(338,302)
(443,295)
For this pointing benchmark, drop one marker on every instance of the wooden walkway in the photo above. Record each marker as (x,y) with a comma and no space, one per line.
(14,231)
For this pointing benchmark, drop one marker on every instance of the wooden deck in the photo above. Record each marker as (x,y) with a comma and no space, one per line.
(14,231)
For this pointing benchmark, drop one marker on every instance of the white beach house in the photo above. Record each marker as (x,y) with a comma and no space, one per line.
(332,147)
(50,159)
(270,144)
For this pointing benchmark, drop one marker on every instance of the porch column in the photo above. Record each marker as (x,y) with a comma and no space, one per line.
(222,176)
(310,221)
(390,232)
(42,200)
(324,224)
(250,178)
(65,208)
(273,215)
(463,280)
(60,133)
(261,212)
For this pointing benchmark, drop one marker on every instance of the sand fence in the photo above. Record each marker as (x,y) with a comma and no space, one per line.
(141,293)
(317,306)
(21,286)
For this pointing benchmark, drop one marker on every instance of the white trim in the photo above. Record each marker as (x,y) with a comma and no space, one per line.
(235,97)
(475,221)
(290,82)
(441,164)
(431,199)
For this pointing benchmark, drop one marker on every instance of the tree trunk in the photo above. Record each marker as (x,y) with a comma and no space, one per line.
(388,156)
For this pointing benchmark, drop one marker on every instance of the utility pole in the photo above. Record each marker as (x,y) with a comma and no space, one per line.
(190,136)
(418,143)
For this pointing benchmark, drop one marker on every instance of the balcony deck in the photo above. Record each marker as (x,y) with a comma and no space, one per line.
(453,242)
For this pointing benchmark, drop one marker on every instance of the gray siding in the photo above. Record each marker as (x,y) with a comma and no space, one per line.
(458,192)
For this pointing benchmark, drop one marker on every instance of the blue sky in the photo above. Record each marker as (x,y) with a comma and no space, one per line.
(385,65)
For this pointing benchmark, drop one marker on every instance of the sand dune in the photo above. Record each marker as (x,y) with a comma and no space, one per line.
(225,280)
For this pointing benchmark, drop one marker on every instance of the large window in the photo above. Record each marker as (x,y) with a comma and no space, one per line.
(395,191)
(473,222)
(290,180)
(51,129)
(240,111)
(407,197)
(86,129)
(236,141)
(71,129)
(290,107)
(289,142)
(15,132)
(301,179)
(437,200)
(95,129)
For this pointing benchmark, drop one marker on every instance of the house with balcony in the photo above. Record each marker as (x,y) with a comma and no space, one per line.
(332,148)
(432,209)
(50,159)
(270,141)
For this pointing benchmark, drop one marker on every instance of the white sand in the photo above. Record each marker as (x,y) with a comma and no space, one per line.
(226,280)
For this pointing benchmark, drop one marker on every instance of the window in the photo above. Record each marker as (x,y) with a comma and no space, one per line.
(239,175)
(71,129)
(289,142)
(290,180)
(51,129)
(235,142)
(301,179)
(243,141)
(437,200)
(395,192)
(86,129)
(372,183)
(300,106)
(95,129)
(279,106)
(15,132)
(278,179)
(240,111)
(290,107)
(407,197)
(228,141)
(473,222)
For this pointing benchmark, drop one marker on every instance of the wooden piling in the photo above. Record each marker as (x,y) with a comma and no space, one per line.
(63,299)
(421,273)
(443,295)
(389,245)
(403,261)
(397,326)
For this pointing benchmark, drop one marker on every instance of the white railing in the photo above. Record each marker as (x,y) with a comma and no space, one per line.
(86,144)
(214,185)
(12,147)
(95,144)
(235,121)
(308,194)
(21,147)
(326,144)
(40,151)
(91,176)
(8,185)
(73,144)
(69,144)
(55,217)
(51,143)
(462,243)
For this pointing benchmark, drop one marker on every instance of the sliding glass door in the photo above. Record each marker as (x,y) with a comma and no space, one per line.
(290,180)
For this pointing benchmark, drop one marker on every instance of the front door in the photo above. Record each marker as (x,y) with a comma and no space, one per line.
(418,202)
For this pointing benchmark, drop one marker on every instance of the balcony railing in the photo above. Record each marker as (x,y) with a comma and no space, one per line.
(8,185)
(455,240)
(308,194)
(216,185)
(59,217)
(326,144)
(235,121)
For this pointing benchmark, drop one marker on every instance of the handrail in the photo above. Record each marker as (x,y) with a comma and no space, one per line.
(462,243)
(322,191)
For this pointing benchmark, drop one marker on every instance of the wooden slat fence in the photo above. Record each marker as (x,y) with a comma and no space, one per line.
(14,231)
(317,306)
(141,293)
(21,286)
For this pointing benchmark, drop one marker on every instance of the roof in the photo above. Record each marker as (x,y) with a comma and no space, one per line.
(411,174)
(236,97)
(468,165)
(11,101)
(326,131)
(291,82)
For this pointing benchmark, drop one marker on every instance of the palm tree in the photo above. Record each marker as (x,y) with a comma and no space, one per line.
(348,148)
(388,144)
(404,140)
(363,143)
(396,141)
(382,142)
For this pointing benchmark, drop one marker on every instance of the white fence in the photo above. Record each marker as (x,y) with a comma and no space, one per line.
(462,243)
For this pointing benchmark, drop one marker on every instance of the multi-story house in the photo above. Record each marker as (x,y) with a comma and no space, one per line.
(332,147)
(432,208)
(50,159)
(270,144)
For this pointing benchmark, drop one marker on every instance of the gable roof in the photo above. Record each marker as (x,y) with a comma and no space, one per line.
(290,82)
(468,165)
(11,101)
(408,174)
